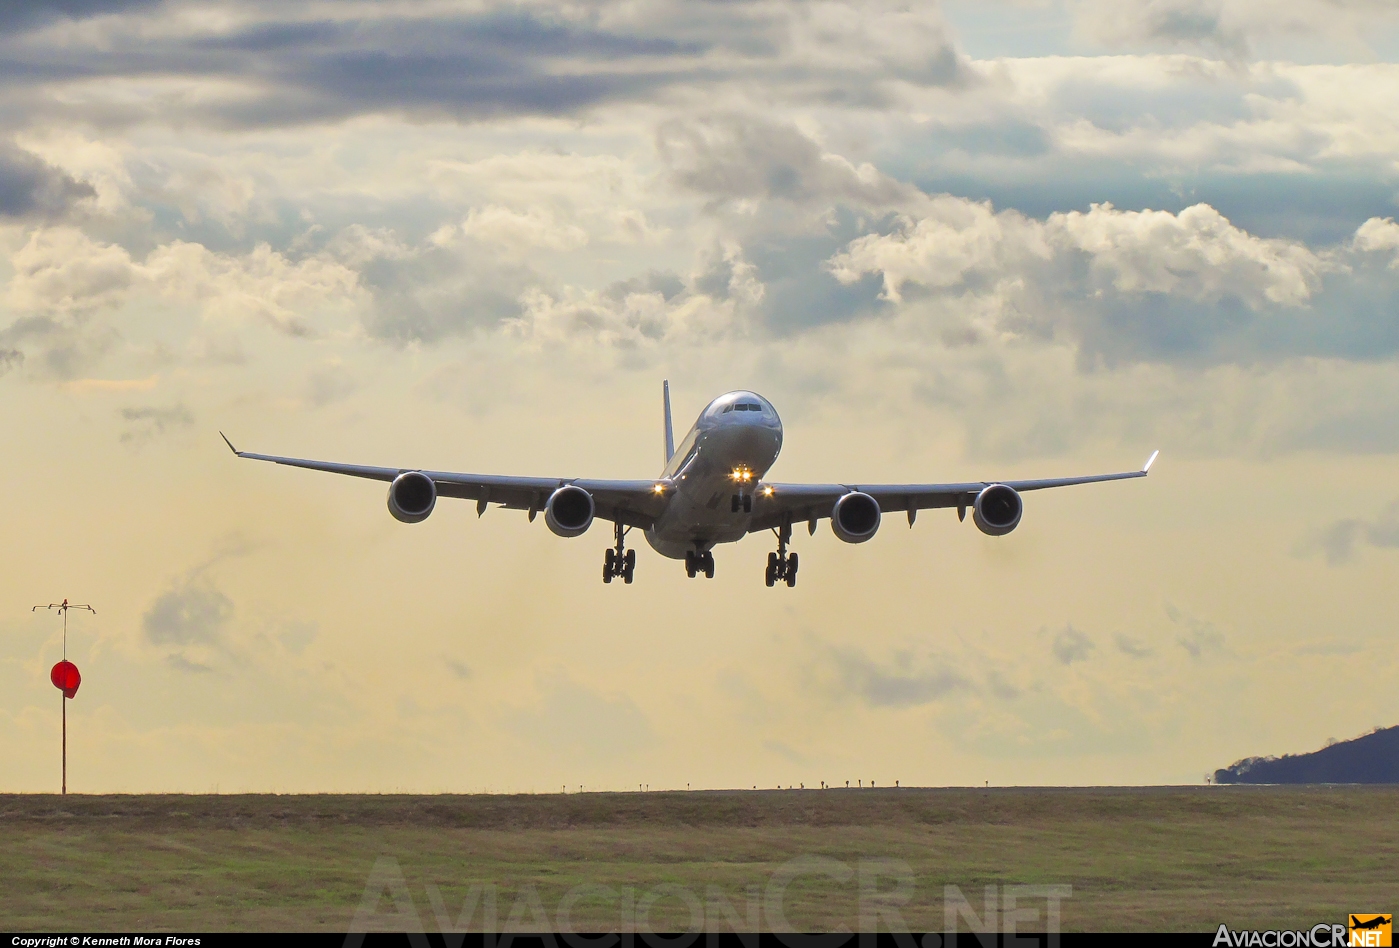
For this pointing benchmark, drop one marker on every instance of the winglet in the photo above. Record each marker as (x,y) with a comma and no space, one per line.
(1150,461)
(227,442)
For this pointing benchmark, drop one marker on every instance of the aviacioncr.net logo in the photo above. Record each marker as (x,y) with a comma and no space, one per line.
(1370,930)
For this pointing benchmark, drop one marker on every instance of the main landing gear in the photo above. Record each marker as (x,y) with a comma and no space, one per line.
(619,561)
(699,563)
(782,565)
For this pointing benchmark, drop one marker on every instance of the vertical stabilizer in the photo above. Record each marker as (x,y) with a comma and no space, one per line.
(669,431)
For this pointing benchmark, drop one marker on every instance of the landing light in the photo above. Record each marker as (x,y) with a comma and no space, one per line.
(741,474)
(659,488)
(767,491)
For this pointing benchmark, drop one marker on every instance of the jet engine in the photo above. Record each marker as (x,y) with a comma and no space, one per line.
(855,517)
(412,495)
(997,510)
(569,512)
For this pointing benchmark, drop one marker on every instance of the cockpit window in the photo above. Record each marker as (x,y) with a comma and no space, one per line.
(741,406)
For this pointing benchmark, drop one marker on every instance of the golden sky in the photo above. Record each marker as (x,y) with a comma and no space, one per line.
(476,236)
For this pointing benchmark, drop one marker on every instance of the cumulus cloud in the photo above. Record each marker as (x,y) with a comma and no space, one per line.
(295,635)
(494,59)
(953,242)
(1128,286)
(1281,149)
(193,612)
(1339,540)
(1380,236)
(1198,637)
(1131,647)
(423,293)
(193,622)
(63,272)
(293,70)
(1196,254)
(903,683)
(1175,22)
(1070,645)
(29,15)
(63,278)
(521,231)
(557,201)
(876,38)
(635,315)
(743,157)
(263,285)
(148,422)
(1229,26)
(30,187)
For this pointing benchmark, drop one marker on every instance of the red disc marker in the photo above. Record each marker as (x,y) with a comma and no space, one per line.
(65,678)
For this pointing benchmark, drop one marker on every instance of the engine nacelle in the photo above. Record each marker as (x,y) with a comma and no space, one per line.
(412,495)
(569,512)
(997,510)
(855,517)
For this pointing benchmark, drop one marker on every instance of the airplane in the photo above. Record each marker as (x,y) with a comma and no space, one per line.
(711,490)
(1375,922)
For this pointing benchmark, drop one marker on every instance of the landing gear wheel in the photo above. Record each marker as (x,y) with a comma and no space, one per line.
(782,565)
(708,565)
(733,504)
(747,503)
(690,566)
(619,561)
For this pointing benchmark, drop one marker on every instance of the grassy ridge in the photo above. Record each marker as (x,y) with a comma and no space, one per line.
(1154,858)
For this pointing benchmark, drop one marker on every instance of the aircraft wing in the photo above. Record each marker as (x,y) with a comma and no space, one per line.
(632,503)
(793,503)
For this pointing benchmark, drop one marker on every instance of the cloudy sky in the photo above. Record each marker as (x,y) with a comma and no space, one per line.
(975,240)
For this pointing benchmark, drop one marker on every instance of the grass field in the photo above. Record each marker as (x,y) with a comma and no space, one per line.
(1137,859)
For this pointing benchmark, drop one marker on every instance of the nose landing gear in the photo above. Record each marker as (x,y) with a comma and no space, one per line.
(782,565)
(744,501)
(699,563)
(619,561)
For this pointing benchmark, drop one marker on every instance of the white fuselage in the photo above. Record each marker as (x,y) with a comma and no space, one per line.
(731,446)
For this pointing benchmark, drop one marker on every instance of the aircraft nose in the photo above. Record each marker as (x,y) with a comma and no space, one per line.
(755,440)
(755,419)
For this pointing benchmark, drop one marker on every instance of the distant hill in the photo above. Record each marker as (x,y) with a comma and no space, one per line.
(1371,758)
